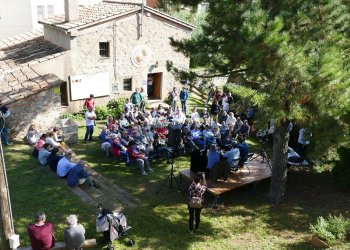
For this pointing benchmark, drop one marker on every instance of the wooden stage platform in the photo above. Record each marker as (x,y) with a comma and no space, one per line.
(253,172)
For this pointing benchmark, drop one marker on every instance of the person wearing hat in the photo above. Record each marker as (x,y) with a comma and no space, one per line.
(137,156)
(90,102)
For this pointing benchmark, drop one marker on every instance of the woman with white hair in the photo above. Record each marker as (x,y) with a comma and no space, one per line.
(74,234)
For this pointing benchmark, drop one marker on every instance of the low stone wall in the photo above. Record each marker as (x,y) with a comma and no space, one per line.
(42,109)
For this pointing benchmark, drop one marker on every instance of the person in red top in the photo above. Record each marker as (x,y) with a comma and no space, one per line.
(90,102)
(41,233)
(139,158)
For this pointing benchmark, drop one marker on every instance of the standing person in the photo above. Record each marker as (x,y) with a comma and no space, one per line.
(90,102)
(143,100)
(174,99)
(4,126)
(136,98)
(183,99)
(210,95)
(90,118)
(215,110)
(196,189)
(41,233)
(74,234)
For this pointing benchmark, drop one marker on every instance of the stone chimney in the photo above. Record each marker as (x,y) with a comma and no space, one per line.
(71,10)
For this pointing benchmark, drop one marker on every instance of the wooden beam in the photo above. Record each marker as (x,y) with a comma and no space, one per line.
(6,229)
(62,246)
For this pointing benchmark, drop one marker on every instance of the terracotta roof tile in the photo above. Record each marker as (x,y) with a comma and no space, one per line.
(92,13)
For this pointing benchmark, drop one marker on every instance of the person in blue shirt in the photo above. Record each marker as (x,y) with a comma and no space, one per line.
(243,150)
(183,99)
(213,156)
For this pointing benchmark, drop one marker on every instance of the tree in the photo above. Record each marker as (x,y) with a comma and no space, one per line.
(293,52)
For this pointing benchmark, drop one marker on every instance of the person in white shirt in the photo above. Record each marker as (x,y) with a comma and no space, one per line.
(128,104)
(90,118)
(194,115)
(174,99)
(50,140)
(231,119)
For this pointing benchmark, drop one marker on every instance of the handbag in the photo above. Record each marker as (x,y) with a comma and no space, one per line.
(195,202)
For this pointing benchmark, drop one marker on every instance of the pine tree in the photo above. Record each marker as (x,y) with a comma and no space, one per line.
(295,53)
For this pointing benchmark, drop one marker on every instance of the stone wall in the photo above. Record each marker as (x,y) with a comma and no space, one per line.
(125,35)
(42,109)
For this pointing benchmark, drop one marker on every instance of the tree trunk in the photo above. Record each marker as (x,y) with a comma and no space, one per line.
(279,164)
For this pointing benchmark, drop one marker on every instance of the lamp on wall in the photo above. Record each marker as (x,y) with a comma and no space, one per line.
(156,64)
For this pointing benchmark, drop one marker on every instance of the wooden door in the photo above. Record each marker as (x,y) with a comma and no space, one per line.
(157,85)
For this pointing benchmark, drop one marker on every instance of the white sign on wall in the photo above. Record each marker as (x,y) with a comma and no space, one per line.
(141,55)
(81,86)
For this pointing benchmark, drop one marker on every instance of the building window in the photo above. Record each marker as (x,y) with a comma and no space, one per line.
(104,49)
(50,10)
(40,12)
(127,84)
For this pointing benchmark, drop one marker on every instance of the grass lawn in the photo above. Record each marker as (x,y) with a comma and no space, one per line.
(243,221)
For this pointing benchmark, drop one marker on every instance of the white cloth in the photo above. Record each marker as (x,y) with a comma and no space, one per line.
(87,120)
(226,106)
(174,96)
(52,142)
(231,120)
(195,116)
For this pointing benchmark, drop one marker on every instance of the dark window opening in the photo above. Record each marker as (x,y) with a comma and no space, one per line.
(104,49)
(64,94)
(127,84)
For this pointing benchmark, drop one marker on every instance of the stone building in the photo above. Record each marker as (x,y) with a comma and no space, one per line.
(107,49)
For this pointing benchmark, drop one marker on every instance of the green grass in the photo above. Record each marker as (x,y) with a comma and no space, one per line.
(243,221)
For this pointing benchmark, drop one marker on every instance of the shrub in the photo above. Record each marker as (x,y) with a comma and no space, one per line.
(341,170)
(332,229)
(116,107)
(101,112)
(80,115)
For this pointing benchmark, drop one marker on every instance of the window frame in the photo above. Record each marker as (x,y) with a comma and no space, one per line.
(127,79)
(104,49)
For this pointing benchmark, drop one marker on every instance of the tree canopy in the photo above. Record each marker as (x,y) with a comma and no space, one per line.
(296,52)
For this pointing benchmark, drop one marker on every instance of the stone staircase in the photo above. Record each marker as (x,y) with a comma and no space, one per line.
(108,194)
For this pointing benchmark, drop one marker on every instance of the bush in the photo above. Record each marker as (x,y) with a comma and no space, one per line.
(332,229)
(116,107)
(341,170)
(101,112)
(80,115)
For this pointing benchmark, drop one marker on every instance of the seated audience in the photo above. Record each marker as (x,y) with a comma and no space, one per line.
(243,150)
(53,159)
(39,144)
(44,153)
(232,156)
(110,122)
(158,149)
(78,175)
(245,129)
(50,140)
(74,234)
(41,233)
(231,119)
(118,149)
(135,155)
(56,136)
(65,165)
(194,115)
(33,135)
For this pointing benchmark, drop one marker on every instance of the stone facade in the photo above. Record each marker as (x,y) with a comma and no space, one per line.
(123,33)
(42,109)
